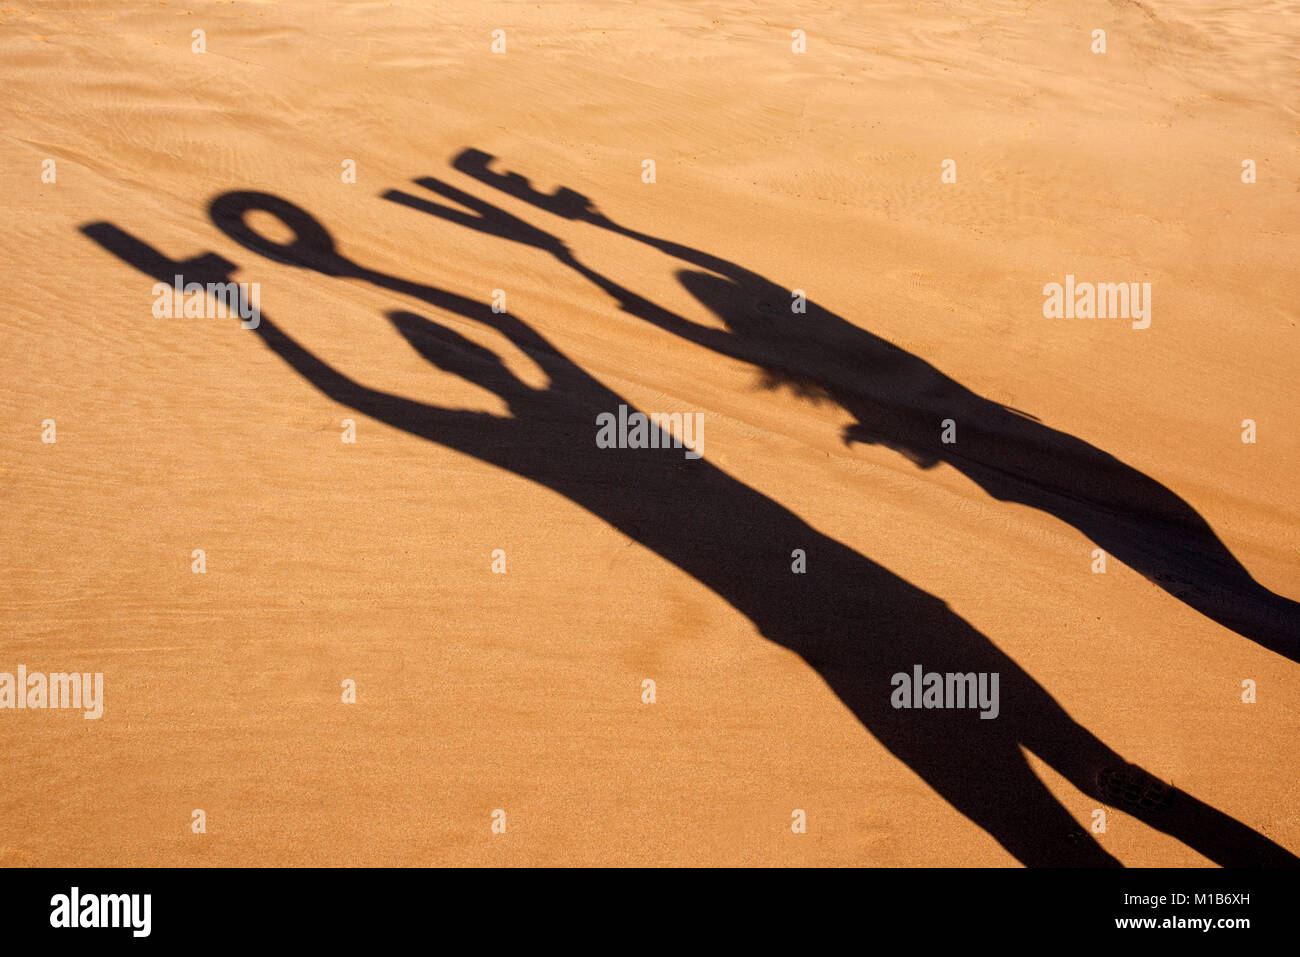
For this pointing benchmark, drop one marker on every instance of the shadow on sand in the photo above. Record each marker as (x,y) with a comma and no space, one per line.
(852,620)
(899,400)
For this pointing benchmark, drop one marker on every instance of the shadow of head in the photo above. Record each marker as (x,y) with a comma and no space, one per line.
(763,311)
(745,309)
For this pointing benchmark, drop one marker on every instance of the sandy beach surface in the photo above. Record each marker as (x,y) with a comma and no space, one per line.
(778,176)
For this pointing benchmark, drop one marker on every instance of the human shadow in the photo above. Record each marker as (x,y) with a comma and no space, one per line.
(900,401)
(852,620)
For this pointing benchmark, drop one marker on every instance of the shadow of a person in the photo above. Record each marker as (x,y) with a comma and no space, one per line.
(855,622)
(899,401)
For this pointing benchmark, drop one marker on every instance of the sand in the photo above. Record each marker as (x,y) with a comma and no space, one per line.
(372,561)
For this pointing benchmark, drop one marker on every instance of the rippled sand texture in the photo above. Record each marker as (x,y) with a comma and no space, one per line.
(774,171)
